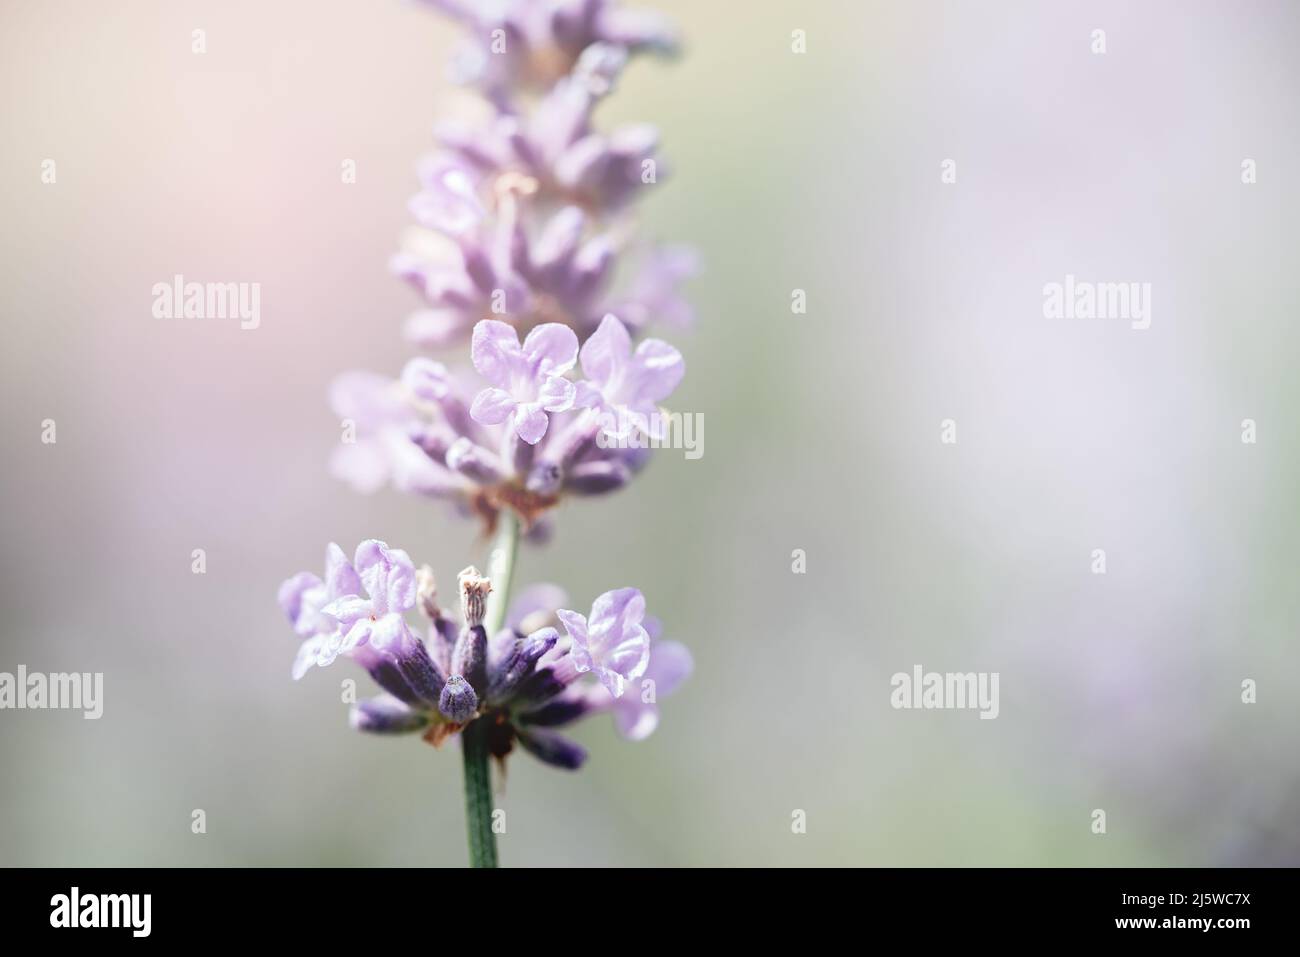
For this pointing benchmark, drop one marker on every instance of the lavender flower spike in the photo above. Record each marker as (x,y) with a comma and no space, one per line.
(523,229)
(611,643)
(528,381)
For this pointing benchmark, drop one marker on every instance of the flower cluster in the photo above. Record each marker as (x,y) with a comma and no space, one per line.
(527,436)
(524,249)
(525,681)
(525,246)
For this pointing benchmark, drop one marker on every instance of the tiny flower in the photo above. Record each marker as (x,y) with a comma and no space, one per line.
(611,643)
(322,612)
(388,579)
(636,714)
(373,625)
(545,39)
(449,201)
(304,598)
(627,386)
(382,449)
(654,293)
(427,380)
(528,381)
(534,607)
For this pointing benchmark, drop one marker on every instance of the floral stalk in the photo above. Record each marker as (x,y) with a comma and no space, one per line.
(474,739)
(501,570)
(478,796)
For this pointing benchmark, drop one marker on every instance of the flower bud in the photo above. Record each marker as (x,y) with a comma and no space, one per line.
(545,683)
(560,711)
(385,715)
(469,657)
(474,462)
(595,478)
(552,748)
(419,671)
(544,478)
(388,677)
(519,663)
(458,701)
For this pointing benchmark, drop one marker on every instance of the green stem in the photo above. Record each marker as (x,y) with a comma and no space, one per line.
(501,569)
(474,744)
(478,795)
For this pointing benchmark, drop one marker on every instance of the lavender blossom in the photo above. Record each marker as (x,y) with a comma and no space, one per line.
(611,643)
(520,218)
(627,386)
(417,435)
(528,381)
(526,680)
(554,148)
(636,714)
(384,428)
(529,44)
(356,612)
(561,269)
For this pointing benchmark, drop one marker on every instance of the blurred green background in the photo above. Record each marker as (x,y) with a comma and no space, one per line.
(818,171)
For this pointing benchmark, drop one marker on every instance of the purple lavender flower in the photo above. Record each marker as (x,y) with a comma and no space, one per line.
(654,293)
(384,428)
(611,643)
(550,271)
(627,386)
(524,683)
(303,599)
(376,618)
(534,607)
(636,714)
(523,223)
(417,435)
(528,381)
(520,215)
(357,612)
(554,147)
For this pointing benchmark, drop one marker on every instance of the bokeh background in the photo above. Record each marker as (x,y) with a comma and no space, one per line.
(818,171)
